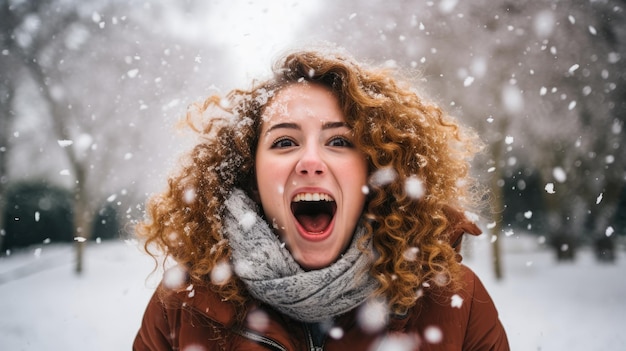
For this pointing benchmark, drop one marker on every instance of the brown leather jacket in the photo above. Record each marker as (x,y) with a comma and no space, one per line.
(176,321)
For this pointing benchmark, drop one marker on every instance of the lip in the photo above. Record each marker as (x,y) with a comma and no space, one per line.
(313,237)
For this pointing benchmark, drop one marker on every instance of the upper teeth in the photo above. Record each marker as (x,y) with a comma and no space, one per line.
(312,197)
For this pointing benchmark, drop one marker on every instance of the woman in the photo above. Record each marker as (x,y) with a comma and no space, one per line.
(321,210)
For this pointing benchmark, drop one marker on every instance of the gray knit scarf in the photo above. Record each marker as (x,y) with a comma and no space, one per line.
(272,275)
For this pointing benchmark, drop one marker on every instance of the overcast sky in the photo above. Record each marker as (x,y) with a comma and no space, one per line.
(253,32)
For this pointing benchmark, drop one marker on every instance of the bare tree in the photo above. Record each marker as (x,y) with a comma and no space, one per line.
(109,79)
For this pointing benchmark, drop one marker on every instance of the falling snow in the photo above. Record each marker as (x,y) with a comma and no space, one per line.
(132,73)
(468,81)
(543,23)
(191,291)
(221,273)
(410,254)
(414,187)
(336,333)
(397,342)
(456,301)
(559,174)
(365,189)
(383,177)
(512,99)
(194,347)
(433,334)
(65,143)
(258,320)
(174,277)
(189,196)
(571,105)
(372,315)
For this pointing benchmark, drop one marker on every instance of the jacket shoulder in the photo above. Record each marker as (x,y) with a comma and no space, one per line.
(173,318)
(155,332)
(484,329)
(465,319)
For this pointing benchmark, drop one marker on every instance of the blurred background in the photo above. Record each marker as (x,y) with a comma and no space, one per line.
(91,92)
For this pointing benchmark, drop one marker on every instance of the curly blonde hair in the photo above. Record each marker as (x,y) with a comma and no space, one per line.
(399,133)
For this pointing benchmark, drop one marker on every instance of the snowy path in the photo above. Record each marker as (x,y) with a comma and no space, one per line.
(544,306)
(56,310)
(548,306)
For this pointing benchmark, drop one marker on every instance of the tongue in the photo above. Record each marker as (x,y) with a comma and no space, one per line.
(314,223)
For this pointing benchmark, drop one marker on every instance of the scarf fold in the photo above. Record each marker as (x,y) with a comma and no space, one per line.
(272,276)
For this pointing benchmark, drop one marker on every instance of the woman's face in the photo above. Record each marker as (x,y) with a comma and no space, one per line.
(309,175)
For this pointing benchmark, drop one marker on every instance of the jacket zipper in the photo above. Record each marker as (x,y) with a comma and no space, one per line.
(274,345)
(312,346)
(260,339)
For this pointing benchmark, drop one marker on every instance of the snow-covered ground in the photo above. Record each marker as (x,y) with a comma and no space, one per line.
(548,306)
(543,305)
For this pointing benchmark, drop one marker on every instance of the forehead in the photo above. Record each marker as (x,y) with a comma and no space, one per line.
(300,100)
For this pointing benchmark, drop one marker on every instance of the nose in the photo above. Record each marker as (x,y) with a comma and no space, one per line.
(311,162)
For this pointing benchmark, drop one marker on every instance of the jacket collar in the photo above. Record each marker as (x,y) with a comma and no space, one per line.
(209,303)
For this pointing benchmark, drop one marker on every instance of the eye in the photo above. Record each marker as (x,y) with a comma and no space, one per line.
(282,143)
(339,141)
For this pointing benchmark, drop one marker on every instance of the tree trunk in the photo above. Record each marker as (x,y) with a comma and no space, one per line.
(82,219)
(497,208)
(82,212)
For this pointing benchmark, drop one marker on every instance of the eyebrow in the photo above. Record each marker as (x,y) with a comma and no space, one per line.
(325,126)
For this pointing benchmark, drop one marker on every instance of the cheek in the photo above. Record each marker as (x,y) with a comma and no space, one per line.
(358,170)
(263,173)
(355,180)
(272,174)
(270,187)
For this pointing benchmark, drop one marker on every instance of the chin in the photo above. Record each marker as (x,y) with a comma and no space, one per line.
(314,265)
(311,262)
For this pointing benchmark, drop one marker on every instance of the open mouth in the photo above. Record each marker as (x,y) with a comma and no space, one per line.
(314,211)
